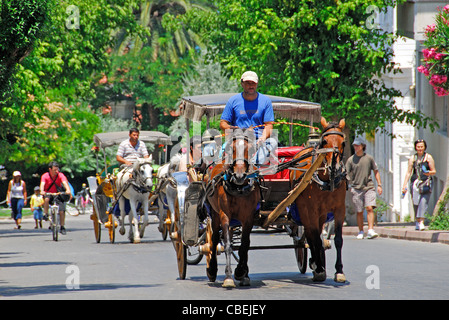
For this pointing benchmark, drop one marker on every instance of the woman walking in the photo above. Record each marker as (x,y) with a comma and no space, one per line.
(16,197)
(421,168)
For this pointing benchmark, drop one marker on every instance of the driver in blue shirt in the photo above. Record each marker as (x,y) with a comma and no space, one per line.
(249,109)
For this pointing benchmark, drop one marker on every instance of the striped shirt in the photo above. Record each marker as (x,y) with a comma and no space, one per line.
(130,153)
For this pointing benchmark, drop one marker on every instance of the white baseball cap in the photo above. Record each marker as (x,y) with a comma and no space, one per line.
(16,174)
(250,76)
(359,141)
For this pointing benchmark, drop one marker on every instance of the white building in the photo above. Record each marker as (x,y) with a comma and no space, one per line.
(410,20)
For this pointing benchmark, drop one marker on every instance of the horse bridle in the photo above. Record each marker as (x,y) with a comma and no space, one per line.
(139,182)
(336,175)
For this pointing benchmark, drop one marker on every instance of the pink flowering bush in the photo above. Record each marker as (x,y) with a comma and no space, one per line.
(436,54)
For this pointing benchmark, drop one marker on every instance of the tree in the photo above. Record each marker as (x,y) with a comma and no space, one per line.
(57,75)
(148,66)
(320,51)
(21,24)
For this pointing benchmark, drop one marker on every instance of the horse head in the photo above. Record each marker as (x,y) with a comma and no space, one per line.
(333,138)
(239,148)
(143,173)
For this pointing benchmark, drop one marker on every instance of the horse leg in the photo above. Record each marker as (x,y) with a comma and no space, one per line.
(145,215)
(212,269)
(242,270)
(338,240)
(318,255)
(134,223)
(228,282)
(122,215)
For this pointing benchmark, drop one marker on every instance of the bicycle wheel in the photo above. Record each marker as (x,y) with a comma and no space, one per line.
(55,224)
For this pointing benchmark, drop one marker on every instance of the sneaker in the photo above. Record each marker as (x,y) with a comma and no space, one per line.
(63,230)
(422,226)
(417,225)
(360,235)
(372,234)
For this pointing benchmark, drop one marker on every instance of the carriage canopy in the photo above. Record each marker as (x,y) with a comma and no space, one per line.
(109,139)
(210,105)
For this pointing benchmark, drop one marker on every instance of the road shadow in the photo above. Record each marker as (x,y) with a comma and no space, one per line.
(259,280)
(13,291)
(32,264)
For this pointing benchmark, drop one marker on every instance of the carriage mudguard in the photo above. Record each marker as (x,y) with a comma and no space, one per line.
(191,219)
(101,202)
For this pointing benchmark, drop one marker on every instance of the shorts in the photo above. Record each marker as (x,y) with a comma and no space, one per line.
(56,200)
(38,214)
(363,199)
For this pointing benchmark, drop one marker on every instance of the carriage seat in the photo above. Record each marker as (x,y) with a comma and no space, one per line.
(284,154)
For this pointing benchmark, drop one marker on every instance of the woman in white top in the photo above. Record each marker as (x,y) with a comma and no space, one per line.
(16,197)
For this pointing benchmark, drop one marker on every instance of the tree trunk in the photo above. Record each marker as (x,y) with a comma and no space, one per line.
(443,195)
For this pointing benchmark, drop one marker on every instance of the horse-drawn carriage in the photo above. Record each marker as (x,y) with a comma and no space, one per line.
(306,184)
(110,186)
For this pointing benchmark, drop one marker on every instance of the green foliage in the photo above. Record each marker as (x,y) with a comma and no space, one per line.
(439,222)
(436,58)
(57,73)
(320,51)
(21,23)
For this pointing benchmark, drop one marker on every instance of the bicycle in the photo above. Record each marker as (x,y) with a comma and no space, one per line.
(55,224)
(83,202)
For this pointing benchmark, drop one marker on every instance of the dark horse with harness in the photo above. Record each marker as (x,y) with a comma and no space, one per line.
(325,194)
(233,194)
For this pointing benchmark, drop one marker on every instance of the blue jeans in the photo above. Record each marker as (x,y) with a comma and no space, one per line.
(17,205)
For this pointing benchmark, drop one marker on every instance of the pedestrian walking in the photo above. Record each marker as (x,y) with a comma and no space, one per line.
(16,197)
(359,168)
(36,205)
(421,168)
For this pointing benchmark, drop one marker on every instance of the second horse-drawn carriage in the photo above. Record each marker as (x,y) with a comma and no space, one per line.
(216,210)
(112,185)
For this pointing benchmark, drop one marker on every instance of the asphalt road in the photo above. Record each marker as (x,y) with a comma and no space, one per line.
(32,266)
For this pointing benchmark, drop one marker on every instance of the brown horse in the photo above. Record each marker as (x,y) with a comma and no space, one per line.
(325,194)
(233,193)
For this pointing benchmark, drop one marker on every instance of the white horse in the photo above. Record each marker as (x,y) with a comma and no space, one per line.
(164,174)
(135,183)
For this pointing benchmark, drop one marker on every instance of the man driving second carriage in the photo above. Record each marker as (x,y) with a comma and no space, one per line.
(131,149)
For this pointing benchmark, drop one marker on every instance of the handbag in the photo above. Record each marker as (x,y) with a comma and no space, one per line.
(425,187)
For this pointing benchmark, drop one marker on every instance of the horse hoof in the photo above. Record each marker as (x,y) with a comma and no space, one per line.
(245,282)
(228,283)
(137,240)
(121,231)
(319,276)
(327,244)
(340,277)
(211,276)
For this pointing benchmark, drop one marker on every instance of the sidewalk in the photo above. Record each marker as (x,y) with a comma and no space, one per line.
(405,231)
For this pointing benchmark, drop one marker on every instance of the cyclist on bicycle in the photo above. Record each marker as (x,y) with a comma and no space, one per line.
(54,181)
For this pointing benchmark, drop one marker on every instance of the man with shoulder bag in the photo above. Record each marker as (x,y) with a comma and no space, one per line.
(55,188)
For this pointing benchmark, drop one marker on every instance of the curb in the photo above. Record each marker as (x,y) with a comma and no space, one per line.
(404,233)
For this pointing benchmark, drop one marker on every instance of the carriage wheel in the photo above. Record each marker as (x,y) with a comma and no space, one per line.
(208,242)
(301,250)
(97,225)
(193,256)
(180,248)
(165,225)
(111,225)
